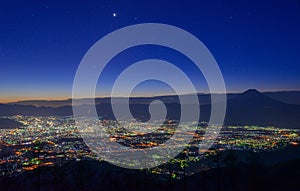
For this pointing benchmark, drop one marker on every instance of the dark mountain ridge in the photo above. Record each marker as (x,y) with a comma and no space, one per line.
(248,108)
(289,97)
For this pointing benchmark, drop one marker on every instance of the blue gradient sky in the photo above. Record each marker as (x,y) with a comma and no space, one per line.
(256,43)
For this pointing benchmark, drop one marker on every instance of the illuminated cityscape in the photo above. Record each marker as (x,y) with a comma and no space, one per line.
(53,141)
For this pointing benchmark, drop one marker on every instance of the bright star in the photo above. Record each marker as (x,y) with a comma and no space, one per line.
(114,14)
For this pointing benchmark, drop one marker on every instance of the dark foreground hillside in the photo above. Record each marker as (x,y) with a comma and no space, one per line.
(93,175)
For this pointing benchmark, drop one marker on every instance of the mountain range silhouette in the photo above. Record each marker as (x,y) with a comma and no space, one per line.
(248,108)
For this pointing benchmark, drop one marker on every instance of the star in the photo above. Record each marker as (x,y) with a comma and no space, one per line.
(114,14)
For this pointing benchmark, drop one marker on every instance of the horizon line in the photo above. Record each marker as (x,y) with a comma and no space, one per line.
(140,96)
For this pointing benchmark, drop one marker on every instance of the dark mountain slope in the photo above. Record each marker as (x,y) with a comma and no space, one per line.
(248,108)
(254,108)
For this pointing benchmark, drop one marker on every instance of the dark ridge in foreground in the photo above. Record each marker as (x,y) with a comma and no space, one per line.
(93,175)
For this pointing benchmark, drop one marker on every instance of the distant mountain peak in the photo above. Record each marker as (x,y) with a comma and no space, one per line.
(252,93)
(252,98)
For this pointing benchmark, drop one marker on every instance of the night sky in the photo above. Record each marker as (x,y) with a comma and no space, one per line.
(256,43)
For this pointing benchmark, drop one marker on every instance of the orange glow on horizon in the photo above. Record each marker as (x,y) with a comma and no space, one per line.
(17,98)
